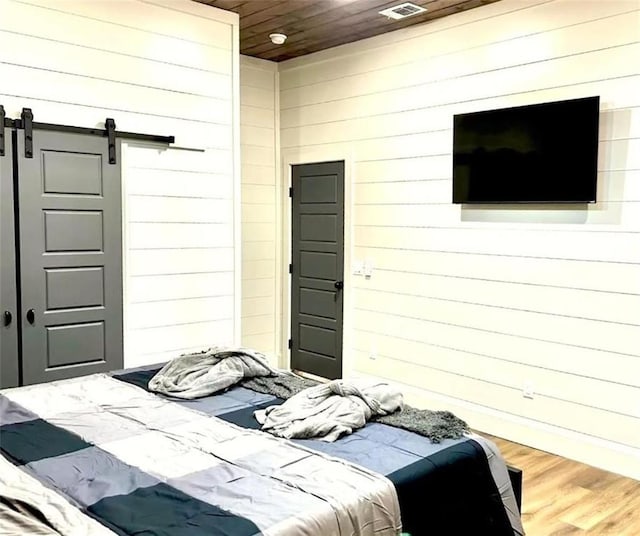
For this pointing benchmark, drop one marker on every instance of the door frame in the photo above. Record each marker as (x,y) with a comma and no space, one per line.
(290,158)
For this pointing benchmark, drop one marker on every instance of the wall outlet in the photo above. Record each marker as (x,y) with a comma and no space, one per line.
(358,268)
(528,390)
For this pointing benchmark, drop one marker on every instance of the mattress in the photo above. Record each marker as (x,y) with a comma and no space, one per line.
(103,454)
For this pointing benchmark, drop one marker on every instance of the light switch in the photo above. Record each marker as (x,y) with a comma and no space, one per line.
(368,268)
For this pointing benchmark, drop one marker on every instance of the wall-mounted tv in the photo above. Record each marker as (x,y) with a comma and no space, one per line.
(541,153)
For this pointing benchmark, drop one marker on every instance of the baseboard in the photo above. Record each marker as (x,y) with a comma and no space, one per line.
(584,448)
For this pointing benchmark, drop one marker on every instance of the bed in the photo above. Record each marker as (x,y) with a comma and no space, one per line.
(102,455)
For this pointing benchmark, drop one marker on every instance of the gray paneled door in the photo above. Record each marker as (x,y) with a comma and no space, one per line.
(70,257)
(8,306)
(317,268)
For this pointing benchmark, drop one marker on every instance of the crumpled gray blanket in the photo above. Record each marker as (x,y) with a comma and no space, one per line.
(434,425)
(284,385)
(330,410)
(204,373)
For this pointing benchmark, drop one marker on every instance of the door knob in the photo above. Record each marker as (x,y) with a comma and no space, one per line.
(338,285)
(7,318)
(31,316)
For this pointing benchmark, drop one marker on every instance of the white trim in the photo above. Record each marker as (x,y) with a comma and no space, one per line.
(200,10)
(280,349)
(257,63)
(124,219)
(237,187)
(292,157)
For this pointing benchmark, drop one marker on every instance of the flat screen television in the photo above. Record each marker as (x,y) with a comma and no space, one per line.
(541,153)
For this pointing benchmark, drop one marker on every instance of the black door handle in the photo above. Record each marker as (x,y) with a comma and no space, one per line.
(7,318)
(31,316)
(339,285)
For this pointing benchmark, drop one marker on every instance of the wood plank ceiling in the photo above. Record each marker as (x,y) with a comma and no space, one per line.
(313,25)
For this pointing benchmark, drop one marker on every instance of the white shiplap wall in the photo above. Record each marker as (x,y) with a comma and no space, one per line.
(258,139)
(466,305)
(167,67)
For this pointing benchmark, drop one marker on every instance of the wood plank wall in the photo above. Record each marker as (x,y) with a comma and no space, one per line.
(258,123)
(160,67)
(466,306)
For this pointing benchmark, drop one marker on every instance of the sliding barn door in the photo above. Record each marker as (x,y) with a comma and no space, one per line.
(70,257)
(8,296)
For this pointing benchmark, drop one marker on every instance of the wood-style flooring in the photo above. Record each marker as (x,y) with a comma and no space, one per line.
(563,497)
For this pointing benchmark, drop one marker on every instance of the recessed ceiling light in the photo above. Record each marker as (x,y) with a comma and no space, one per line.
(277,38)
(402,11)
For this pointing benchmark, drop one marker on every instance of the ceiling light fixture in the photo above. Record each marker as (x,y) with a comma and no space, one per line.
(277,38)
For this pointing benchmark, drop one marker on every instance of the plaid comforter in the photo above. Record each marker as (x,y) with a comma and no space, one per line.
(139,464)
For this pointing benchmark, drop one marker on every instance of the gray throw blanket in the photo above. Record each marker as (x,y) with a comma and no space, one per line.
(204,373)
(330,410)
(434,425)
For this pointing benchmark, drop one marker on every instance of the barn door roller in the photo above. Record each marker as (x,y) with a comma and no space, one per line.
(110,126)
(27,125)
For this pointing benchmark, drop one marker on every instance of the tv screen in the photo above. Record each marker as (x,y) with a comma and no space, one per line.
(541,153)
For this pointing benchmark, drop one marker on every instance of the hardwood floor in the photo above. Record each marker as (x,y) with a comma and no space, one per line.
(563,497)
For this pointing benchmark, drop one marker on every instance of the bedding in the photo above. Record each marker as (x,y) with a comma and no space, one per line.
(436,425)
(124,458)
(451,487)
(27,507)
(205,373)
(140,464)
(329,410)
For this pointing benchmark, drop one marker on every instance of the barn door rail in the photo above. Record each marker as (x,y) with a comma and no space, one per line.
(27,124)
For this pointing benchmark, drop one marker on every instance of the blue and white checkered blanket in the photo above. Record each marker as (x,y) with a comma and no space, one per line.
(135,463)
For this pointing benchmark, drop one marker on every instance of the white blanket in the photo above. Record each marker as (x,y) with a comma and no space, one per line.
(205,373)
(330,410)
